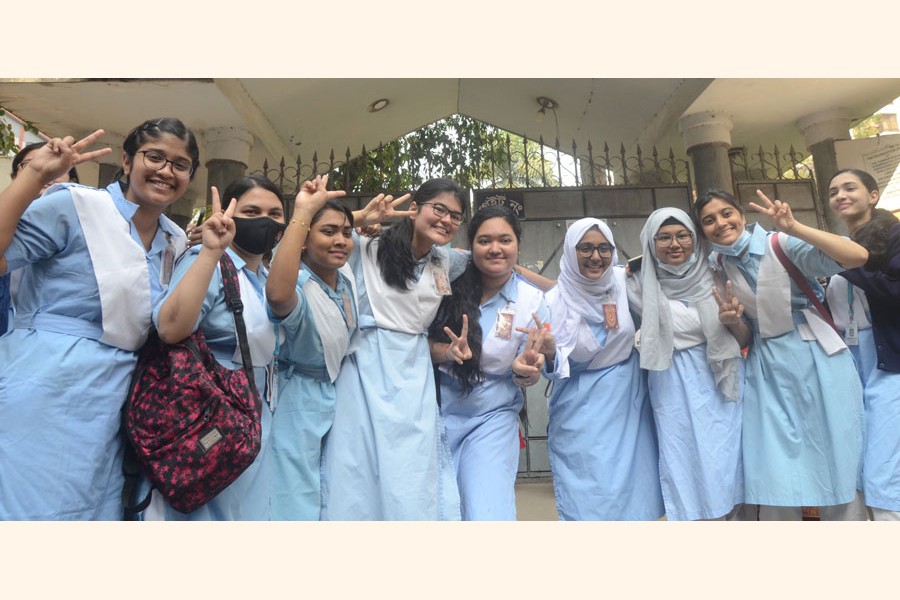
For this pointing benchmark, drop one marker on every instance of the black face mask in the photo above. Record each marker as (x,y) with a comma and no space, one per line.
(258,235)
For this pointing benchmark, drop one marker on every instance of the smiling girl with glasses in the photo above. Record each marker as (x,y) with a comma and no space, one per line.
(97,261)
(694,370)
(386,456)
(601,437)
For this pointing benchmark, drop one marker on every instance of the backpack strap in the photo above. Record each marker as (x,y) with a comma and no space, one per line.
(132,471)
(233,301)
(800,280)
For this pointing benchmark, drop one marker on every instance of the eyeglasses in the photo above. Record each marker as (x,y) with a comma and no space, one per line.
(157,162)
(586,249)
(684,238)
(442,211)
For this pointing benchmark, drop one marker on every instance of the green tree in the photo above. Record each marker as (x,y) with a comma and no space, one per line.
(8,144)
(866,128)
(471,152)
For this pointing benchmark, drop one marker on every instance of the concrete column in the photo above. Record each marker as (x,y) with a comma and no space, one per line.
(228,154)
(110,163)
(707,139)
(820,130)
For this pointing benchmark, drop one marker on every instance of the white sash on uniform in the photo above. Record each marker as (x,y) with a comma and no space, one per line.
(771,304)
(406,311)
(120,267)
(260,331)
(331,323)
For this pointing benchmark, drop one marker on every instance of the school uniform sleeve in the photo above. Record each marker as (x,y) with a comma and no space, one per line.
(291,321)
(811,261)
(44,230)
(458,261)
(214,292)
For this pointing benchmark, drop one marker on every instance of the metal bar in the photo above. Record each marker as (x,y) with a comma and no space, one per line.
(525,158)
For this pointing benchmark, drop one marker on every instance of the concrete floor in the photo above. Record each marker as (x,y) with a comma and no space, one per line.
(535,500)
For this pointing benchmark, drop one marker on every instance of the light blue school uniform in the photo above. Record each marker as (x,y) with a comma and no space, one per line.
(803,413)
(386,456)
(61,390)
(881,390)
(483,427)
(306,400)
(881,463)
(247,498)
(699,433)
(602,442)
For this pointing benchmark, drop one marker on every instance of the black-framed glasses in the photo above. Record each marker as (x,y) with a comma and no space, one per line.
(587,249)
(155,161)
(442,211)
(684,238)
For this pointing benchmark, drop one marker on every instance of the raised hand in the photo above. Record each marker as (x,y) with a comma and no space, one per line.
(314,194)
(56,157)
(381,208)
(459,350)
(218,231)
(730,308)
(778,211)
(548,342)
(529,363)
(369,231)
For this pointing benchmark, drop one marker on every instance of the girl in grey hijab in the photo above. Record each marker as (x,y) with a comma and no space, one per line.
(694,369)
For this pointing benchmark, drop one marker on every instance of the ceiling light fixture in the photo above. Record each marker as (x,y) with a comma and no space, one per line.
(545,103)
(378,105)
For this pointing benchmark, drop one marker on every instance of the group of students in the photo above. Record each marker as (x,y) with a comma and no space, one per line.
(392,367)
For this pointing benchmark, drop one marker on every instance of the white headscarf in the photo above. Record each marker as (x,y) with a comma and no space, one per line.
(694,286)
(582,299)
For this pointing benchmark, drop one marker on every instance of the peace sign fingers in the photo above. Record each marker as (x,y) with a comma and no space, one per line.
(218,230)
(459,350)
(391,204)
(730,308)
(84,143)
(779,211)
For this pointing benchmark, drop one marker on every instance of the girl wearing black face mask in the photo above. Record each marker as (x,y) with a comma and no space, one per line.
(249,227)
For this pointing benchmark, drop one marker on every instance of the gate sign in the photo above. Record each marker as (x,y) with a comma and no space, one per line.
(510,199)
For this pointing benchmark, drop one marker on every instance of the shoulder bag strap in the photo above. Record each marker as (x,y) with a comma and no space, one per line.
(800,280)
(233,300)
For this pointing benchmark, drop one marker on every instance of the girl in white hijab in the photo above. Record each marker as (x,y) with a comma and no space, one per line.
(694,370)
(601,435)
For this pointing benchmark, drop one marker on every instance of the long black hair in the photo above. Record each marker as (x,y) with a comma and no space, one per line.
(395,255)
(466,300)
(873,236)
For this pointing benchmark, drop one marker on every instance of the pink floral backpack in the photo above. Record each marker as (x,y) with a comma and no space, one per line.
(191,425)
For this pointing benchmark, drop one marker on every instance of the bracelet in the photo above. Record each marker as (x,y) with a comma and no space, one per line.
(301,221)
(524,380)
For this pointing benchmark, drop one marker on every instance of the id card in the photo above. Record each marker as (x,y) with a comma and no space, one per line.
(504,327)
(851,336)
(442,282)
(611,315)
